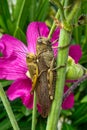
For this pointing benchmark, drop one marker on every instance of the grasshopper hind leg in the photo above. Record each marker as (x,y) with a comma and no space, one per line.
(51,79)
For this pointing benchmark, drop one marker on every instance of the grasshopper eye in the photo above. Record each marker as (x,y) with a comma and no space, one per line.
(42,41)
(39,40)
(27,56)
(31,57)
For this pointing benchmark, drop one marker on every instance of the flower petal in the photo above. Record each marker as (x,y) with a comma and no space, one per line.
(12,68)
(28,101)
(55,37)
(69,101)
(9,44)
(75,52)
(21,89)
(13,62)
(35,30)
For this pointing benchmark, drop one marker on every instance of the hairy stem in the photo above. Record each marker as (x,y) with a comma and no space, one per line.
(54,26)
(57,2)
(74,86)
(74,10)
(64,40)
(34,112)
(61,61)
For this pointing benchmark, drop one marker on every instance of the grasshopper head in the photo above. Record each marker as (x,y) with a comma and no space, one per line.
(43,44)
(30,58)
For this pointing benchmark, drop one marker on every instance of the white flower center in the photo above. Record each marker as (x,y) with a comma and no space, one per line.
(28,74)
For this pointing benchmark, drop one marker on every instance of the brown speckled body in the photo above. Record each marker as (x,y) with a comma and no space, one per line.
(43,89)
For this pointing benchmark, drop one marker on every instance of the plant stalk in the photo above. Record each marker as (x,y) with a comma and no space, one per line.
(61,61)
(34,112)
(53,25)
(64,40)
(8,109)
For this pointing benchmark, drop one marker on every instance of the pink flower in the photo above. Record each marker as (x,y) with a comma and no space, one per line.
(13,62)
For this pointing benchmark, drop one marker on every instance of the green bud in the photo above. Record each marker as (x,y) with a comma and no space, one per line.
(70,61)
(74,71)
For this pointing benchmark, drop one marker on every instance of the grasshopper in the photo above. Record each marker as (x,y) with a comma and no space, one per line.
(43,78)
(31,61)
(46,79)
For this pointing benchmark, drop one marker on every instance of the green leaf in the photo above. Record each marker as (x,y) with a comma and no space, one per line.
(83,60)
(4,15)
(41,123)
(80,113)
(26,111)
(5,83)
(84,99)
(4,9)
(3,24)
(66,112)
(77,32)
(32,10)
(42,10)
(67,127)
(20,14)
(80,120)
(25,125)
(5,124)
(20,35)
(84,6)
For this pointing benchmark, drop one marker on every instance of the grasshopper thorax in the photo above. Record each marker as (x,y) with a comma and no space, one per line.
(43,44)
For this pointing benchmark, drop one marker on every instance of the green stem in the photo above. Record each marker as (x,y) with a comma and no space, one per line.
(64,40)
(19,17)
(8,109)
(34,112)
(61,60)
(32,10)
(56,2)
(85,33)
(66,5)
(85,38)
(54,26)
(76,33)
(74,10)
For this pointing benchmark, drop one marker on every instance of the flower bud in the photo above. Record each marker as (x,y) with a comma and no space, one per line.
(74,71)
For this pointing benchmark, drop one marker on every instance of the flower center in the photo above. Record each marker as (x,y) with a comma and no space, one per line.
(28,74)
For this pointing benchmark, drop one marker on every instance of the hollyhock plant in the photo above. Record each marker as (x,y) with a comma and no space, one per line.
(13,62)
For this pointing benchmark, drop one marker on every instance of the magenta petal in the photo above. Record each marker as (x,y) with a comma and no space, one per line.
(21,89)
(69,101)
(13,64)
(35,30)
(12,68)
(9,44)
(55,37)
(28,101)
(75,52)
